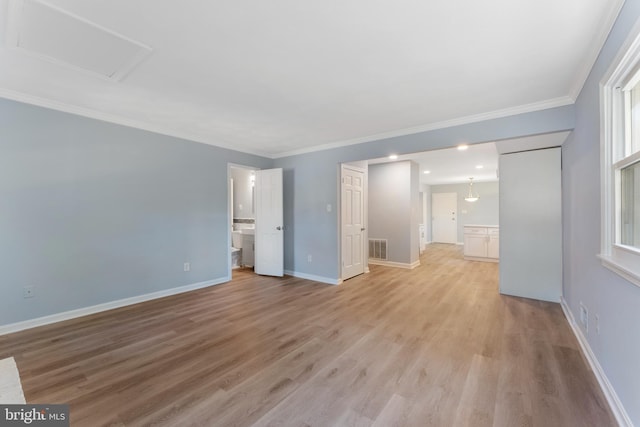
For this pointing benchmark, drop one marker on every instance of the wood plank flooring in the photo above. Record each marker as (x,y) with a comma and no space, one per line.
(433,346)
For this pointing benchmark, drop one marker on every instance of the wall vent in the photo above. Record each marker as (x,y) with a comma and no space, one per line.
(378,249)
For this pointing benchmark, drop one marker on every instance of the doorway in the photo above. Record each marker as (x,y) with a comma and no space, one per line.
(353,218)
(444,217)
(255,219)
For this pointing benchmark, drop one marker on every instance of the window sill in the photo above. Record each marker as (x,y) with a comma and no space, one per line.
(621,270)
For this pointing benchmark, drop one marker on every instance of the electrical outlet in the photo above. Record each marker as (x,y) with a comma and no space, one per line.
(584,317)
(28,292)
(309,258)
(597,317)
(187,266)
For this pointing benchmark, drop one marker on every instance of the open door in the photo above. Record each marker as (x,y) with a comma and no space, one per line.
(353,229)
(269,243)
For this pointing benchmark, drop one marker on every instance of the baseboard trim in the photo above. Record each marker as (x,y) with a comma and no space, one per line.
(395,264)
(313,277)
(85,311)
(609,392)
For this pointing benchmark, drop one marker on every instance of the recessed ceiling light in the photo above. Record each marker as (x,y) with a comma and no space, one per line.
(479,167)
(427,171)
(462,147)
(393,157)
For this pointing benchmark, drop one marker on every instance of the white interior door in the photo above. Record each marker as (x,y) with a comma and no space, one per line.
(531,224)
(353,229)
(444,217)
(269,243)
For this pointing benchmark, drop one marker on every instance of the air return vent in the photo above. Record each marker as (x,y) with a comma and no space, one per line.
(378,249)
(48,32)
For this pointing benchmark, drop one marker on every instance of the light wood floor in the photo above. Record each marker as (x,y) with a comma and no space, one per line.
(433,346)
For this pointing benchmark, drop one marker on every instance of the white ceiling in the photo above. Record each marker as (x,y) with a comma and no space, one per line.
(285,76)
(477,161)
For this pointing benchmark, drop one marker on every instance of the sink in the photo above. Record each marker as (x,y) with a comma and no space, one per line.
(248,231)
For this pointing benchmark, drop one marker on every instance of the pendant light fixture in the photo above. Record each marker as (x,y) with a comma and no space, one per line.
(471,197)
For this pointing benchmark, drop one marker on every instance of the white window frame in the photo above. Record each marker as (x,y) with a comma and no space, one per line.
(623,74)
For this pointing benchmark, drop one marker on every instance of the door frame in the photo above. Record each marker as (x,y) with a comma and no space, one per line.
(365,214)
(229,208)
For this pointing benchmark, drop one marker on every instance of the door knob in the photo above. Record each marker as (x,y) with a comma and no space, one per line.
(278,228)
(362,229)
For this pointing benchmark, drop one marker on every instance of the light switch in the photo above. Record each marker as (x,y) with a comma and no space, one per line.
(328,207)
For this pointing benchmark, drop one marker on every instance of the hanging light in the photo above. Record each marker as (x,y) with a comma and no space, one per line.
(471,197)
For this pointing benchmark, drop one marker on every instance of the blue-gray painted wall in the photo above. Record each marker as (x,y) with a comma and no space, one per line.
(311,180)
(616,301)
(92,212)
(484,211)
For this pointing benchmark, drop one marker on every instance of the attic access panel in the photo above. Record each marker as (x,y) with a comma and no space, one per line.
(48,32)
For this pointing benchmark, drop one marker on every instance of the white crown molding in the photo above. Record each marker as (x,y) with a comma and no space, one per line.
(85,311)
(527,108)
(595,48)
(118,120)
(110,118)
(607,389)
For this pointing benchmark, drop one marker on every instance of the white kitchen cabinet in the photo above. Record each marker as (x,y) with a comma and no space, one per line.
(481,242)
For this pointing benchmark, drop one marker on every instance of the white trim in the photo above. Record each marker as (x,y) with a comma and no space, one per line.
(410,266)
(595,48)
(611,264)
(122,121)
(527,108)
(482,259)
(607,389)
(155,128)
(313,277)
(624,67)
(73,314)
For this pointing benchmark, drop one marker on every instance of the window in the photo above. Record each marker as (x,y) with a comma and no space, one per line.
(620,130)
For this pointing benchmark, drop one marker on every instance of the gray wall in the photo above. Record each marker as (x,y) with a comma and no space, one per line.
(393,209)
(94,212)
(242,193)
(615,300)
(310,180)
(484,211)
(414,230)
(531,224)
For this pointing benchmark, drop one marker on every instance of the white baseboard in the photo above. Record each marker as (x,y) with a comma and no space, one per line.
(313,277)
(72,314)
(395,264)
(609,392)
